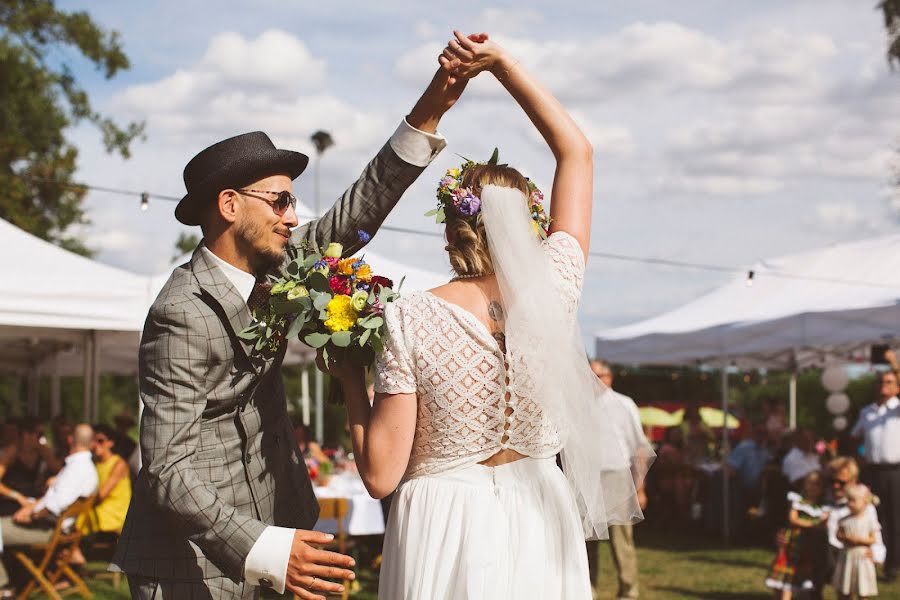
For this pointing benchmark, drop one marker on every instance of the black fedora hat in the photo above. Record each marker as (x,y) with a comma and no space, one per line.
(233,163)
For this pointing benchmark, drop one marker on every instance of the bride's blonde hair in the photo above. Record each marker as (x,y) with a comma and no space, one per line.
(467,241)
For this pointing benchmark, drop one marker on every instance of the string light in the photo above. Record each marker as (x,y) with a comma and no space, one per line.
(751,274)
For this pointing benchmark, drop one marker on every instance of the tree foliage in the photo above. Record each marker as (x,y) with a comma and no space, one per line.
(185,243)
(891,11)
(40,99)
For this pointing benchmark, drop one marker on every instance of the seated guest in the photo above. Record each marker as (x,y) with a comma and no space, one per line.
(114,489)
(747,461)
(34,522)
(801,459)
(308,446)
(125,444)
(24,467)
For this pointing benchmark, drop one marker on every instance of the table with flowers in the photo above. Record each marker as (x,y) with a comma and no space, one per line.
(365,516)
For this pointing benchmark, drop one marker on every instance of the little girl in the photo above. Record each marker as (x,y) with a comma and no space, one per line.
(792,568)
(854,574)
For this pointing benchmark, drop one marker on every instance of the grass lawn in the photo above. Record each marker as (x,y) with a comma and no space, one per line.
(671,567)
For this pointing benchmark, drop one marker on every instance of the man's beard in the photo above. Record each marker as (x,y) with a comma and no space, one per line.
(263,259)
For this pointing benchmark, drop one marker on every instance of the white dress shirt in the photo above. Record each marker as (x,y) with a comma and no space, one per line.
(77,479)
(879,426)
(838,512)
(269,556)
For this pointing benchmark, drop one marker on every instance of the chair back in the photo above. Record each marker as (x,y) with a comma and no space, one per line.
(333,508)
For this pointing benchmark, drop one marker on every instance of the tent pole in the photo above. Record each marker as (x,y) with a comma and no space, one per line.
(792,401)
(726,505)
(55,403)
(32,391)
(304,395)
(95,378)
(86,378)
(320,406)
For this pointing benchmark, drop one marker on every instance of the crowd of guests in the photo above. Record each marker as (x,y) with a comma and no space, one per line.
(46,467)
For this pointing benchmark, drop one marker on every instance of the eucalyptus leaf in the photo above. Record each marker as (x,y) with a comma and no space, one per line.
(318,282)
(296,325)
(293,267)
(341,339)
(432,212)
(249,333)
(373,322)
(260,343)
(310,260)
(316,340)
(364,337)
(322,301)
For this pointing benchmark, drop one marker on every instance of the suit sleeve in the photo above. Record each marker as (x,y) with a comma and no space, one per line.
(366,204)
(173,362)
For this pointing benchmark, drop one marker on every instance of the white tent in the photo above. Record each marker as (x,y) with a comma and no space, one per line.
(804,309)
(800,310)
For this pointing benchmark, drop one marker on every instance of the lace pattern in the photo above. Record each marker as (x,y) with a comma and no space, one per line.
(447,357)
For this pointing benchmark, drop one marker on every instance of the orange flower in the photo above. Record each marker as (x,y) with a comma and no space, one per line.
(345,267)
(364,273)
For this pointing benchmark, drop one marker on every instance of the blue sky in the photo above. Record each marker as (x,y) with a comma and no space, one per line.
(723,132)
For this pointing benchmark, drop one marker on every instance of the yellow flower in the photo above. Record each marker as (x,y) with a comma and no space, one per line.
(453,172)
(364,273)
(345,267)
(341,314)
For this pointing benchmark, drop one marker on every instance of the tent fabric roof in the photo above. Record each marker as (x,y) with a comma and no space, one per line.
(801,308)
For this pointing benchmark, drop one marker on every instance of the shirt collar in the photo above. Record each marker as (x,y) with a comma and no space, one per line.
(242,281)
(80,455)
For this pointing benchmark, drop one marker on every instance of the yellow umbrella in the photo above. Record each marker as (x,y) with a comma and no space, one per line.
(713,418)
(652,416)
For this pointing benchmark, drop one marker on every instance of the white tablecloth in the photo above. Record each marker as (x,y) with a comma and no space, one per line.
(365,516)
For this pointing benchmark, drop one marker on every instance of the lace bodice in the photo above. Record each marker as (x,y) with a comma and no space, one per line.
(447,357)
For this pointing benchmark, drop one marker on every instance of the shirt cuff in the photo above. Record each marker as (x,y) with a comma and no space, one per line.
(266,564)
(416,147)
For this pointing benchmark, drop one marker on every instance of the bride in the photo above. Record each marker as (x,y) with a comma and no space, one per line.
(484,380)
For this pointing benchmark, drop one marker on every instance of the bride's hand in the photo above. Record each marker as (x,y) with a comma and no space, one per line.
(467,56)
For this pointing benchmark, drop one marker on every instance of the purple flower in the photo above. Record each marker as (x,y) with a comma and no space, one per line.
(363,236)
(469,206)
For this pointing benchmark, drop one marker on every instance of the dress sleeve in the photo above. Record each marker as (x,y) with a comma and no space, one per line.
(394,366)
(567,260)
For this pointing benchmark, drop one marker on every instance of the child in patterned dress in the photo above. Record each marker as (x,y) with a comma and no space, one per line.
(791,571)
(854,574)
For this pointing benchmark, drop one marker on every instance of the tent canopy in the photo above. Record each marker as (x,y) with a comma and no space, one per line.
(801,309)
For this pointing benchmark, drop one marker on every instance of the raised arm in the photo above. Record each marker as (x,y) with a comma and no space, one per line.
(572,196)
(366,204)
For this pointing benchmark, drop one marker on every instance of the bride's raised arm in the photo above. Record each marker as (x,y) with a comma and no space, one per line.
(572,196)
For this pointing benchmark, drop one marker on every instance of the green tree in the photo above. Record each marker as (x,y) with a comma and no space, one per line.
(185,243)
(40,99)
(891,11)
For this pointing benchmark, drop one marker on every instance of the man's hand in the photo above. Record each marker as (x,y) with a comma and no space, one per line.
(23,516)
(642,498)
(309,569)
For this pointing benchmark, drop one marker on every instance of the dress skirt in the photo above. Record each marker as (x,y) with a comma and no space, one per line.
(497,533)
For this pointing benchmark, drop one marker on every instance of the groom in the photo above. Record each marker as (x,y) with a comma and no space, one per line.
(223,504)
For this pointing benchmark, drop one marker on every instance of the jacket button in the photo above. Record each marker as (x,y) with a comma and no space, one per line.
(247,458)
(265,583)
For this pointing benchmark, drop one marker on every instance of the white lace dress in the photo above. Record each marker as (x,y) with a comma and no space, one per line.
(459,530)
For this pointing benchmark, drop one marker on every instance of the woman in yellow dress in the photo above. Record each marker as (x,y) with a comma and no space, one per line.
(113,493)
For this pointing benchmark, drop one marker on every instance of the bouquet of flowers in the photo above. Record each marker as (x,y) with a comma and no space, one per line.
(329,301)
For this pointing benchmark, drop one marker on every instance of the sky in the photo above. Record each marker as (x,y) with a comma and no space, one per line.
(723,133)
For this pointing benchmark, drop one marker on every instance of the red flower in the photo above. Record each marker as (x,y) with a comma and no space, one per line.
(340,285)
(382,281)
(332,263)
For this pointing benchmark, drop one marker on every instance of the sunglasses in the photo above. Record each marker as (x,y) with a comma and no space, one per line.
(839,483)
(280,204)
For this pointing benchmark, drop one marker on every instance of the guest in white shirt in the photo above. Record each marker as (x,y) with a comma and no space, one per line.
(801,460)
(879,428)
(844,472)
(34,522)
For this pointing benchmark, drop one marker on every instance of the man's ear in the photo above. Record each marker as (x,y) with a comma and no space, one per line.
(228,205)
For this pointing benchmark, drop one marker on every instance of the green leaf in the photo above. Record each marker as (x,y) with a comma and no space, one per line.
(316,340)
(432,212)
(249,333)
(341,339)
(377,344)
(260,343)
(321,301)
(440,216)
(373,322)
(494,157)
(400,285)
(365,337)
(293,267)
(310,260)
(296,325)
(318,282)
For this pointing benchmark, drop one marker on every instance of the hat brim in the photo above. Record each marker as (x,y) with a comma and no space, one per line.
(238,174)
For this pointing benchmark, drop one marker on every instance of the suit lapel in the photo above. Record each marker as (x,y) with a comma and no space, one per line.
(214,282)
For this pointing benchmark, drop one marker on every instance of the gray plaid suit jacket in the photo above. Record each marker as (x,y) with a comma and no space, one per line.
(219,460)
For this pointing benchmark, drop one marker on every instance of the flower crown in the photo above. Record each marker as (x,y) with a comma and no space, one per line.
(463,202)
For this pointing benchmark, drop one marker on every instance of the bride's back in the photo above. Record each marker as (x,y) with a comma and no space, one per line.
(474,399)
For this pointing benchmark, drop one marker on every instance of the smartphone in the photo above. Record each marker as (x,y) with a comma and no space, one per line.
(877,354)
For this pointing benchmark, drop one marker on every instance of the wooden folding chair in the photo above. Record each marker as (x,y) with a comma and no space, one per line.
(54,566)
(337,509)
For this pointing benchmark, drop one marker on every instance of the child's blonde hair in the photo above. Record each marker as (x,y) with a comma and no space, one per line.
(858,491)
